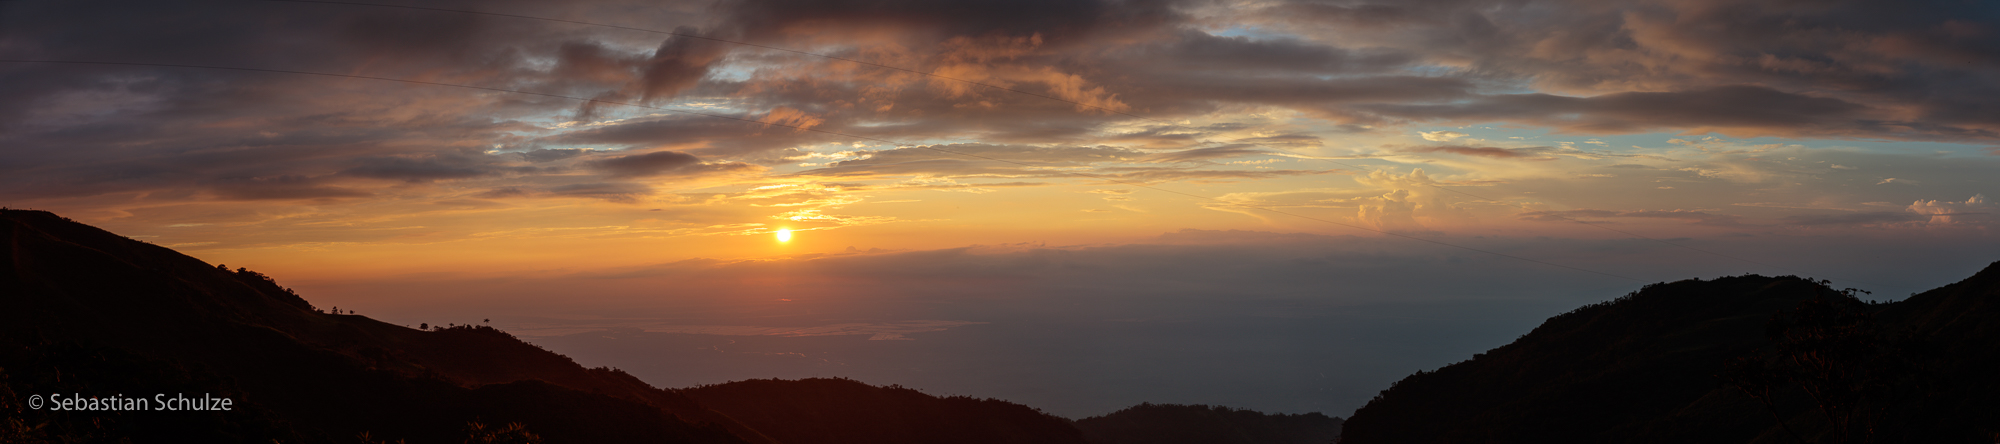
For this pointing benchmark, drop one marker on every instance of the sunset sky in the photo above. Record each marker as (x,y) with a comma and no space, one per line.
(1282,205)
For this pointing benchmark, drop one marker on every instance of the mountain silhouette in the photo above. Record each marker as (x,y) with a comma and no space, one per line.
(90,314)
(85,313)
(843,411)
(1202,424)
(1748,359)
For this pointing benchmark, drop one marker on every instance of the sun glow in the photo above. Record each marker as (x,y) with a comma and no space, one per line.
(784,235)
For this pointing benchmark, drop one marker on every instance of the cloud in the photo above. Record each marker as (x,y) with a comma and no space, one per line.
(1674,55)
(664,163)
(678,64)
(1738,110)
(1410,201)
(621,192)
(280,188)
(1973,210)
(1301,140)
(793,118)
(1202,154)
(417,170)
(1532,153)
(1392,211)
(1158,175)
(1865,218)
(707,136)
(548,155)
(115,139)
(975,160)
(501,193)
(648,164)
(1443,136)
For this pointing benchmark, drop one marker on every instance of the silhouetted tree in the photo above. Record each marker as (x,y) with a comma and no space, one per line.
(513,433)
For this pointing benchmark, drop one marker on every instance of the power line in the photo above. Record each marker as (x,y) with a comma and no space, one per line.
(1017,91)
(835,133)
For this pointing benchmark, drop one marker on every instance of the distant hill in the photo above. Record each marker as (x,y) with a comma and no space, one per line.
(1680,362)
(843,411)
(87,312)
(1202,424)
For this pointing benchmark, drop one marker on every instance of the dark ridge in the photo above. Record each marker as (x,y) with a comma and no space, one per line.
(86,311)
(844,411)
(1149,423)
(139,318)
(1680,362)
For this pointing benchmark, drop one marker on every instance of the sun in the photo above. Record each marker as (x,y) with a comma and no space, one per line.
(784,235)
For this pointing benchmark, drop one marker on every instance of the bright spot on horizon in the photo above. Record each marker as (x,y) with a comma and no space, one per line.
(784,235)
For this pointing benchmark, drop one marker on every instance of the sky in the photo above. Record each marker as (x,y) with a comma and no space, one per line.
(1281,205)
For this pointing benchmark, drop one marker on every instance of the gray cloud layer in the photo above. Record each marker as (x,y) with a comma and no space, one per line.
(1842,69)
